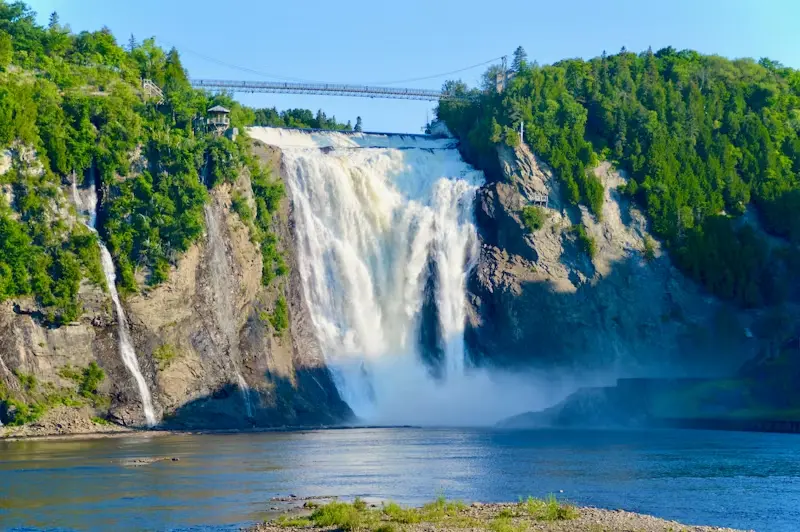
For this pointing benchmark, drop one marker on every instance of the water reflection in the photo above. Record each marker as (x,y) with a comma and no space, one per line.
(222,481)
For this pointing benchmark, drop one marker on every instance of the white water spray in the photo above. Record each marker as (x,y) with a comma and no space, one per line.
(223,289)
(88,207)
(379,218)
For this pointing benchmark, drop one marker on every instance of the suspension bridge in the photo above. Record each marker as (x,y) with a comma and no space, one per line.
(331,89)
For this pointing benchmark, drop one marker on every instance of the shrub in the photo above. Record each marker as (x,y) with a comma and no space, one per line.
(27,380)
(164,356)
(240,207)
(585,240)
(280,316)
(92,376)
(533,217)
(649,248)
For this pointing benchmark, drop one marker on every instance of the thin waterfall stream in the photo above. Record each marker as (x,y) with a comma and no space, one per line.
(88,207)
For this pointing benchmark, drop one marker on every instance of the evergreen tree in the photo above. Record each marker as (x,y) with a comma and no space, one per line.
(174,75)
(321,121)
(359,127)
(132,44)
(54,21)
(520,59)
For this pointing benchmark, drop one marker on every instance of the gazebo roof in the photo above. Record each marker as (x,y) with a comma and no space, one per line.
(219,109)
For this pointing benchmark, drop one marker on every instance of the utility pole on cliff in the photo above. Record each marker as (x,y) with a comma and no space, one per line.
(521,131)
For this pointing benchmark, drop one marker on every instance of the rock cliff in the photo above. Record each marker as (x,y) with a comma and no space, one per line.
(537,298)
(194,336)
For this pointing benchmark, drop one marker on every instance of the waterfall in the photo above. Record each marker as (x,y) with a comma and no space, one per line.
(224,288)
(385,241)
(88,207)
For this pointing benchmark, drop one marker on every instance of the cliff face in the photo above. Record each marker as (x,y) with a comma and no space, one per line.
(538,299)
(193,335)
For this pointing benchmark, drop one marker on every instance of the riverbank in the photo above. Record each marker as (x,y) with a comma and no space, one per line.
(66,423)
(532,514)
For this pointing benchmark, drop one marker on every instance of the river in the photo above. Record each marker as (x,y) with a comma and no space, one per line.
(222,481)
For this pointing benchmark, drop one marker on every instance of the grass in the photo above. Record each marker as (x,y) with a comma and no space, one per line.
(548,509)
(343,515)
(391,517)
(398,514)
(505,524)
(293,522)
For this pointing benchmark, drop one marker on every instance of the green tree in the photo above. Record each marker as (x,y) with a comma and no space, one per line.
(520,60)
(359,127)
(53,23)
(533,217)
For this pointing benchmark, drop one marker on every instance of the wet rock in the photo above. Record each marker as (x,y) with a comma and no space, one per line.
(138,462)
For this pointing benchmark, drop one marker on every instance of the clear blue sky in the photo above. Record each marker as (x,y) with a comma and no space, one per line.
(359,41)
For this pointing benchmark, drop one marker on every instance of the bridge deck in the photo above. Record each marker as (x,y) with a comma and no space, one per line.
(331,89)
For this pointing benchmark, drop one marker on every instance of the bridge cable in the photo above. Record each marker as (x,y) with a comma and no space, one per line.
(380,83)
(236,67)
(302,80)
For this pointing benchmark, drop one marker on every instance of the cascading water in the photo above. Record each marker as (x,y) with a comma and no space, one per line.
(223,288)
(88,207)
(386,239)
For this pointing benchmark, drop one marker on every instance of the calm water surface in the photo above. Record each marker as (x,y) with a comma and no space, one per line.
(225,481)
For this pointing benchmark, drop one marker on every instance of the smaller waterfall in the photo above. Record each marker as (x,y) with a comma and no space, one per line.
(223,305)
(88,207)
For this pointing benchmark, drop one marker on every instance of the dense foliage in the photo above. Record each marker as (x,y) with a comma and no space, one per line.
(299,118)
(73,109)
(701,137)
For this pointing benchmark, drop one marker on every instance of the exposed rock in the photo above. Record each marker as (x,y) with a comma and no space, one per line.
(138,462)
(187,352)
(538,299)
(5,161)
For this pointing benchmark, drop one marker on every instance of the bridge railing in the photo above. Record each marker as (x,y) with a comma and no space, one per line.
(338,89)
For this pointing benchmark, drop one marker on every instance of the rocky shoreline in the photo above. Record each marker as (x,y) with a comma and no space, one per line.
(60,425)
(531,515)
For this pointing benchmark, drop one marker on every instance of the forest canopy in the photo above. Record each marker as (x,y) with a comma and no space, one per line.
(703,139)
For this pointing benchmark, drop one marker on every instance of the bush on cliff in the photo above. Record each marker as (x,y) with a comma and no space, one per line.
(533,217)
